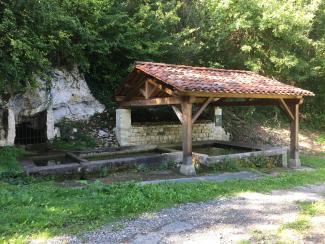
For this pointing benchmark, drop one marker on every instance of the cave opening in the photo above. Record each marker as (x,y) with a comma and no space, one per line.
(31,129)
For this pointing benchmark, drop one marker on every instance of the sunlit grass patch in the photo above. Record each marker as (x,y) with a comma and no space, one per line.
(313,208)
(42,206)
(321,138)
(8,160)
(302,224)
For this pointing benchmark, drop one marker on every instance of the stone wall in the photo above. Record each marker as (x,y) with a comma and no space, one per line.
(161,133)
(172,133)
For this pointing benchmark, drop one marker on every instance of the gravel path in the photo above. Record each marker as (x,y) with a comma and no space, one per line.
(219,221)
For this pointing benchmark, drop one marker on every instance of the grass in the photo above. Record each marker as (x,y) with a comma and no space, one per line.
(36,209)
(77,144)
(313,208)
(8,160)
(302,224)
(307,210)
(321,139)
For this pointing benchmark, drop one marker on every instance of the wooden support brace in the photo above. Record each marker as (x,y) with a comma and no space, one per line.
(153,90)
(134,90)
(286,109)
(143,92)
(201,109)
(178,113)
(146,90)
(162,88)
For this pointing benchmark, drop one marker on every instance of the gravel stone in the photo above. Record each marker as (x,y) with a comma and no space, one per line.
(223,220)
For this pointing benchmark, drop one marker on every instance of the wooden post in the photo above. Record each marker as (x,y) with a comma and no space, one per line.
(294,161)
(187,167)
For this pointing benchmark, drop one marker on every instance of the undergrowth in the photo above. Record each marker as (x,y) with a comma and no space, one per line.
(8,160)
(260,162)
(74,136)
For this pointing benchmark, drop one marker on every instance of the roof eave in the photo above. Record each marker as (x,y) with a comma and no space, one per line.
(237,95)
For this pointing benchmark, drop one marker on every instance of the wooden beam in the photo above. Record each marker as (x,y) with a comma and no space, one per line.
(143,92)
(134,90)
(201,109)
(197,100)
(153,90)
(146,90)
(161,87)
(258,102)
(151,102)
(178,113)
(286,109)
(294,131)
(221,102)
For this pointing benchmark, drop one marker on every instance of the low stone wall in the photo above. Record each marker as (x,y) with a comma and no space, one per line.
(277,151)
(171,133)
(161,133)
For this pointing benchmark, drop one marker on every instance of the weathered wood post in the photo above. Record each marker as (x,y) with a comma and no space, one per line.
(187,167)
(294,161)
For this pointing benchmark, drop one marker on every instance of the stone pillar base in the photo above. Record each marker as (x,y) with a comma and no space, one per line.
(284,159)
(187,169)
(123,126)
(294,163)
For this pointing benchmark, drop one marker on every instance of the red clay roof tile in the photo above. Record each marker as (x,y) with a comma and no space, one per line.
(201,79)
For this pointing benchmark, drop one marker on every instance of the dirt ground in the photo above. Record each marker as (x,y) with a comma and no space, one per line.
(245,218)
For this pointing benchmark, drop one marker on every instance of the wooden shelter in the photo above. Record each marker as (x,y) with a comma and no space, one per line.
(179,86)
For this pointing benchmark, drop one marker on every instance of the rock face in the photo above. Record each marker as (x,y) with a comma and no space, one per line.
(72,98)
(68,96)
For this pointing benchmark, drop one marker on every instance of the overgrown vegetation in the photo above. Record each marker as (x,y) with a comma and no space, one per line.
(40,209)
(282,39)
(80,135)
(8,160)
(248,163)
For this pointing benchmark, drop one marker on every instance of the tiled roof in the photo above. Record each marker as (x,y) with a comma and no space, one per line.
(209,80)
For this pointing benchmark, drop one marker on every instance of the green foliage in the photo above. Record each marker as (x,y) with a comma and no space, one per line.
(43,208)
(8,160)
(82,143)
(282,39)
(102,37)
(73,136)
(144,168)
(104,172)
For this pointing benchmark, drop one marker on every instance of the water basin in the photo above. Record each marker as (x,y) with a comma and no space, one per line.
(51,161)
(104,156)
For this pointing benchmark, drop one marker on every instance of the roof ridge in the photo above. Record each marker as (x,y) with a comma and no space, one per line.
(195,67)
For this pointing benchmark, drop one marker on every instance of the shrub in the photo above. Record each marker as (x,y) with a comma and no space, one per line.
(75,135)
(8,160)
